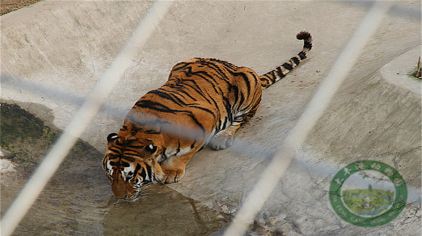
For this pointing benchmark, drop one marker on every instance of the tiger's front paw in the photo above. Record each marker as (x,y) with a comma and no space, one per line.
(221,141)
(171,176)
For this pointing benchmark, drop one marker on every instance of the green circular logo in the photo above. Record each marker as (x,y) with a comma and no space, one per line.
(370,206)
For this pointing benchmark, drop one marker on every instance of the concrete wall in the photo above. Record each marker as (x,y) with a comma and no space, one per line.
(53,52)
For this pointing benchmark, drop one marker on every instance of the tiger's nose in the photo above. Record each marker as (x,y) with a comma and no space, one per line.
(118,193)
(119,190)
(118,186)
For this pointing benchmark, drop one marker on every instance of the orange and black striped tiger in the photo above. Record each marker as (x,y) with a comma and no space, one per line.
(204,102)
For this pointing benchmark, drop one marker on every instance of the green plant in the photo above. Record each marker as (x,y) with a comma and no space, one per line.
(418,71)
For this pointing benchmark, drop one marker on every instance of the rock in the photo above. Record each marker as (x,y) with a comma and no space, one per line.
(6,166)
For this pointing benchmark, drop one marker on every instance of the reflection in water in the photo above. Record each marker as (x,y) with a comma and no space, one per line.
(182,216)
(78,200)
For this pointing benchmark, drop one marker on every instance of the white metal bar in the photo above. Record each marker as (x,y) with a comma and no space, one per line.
(314,110)
(82,119)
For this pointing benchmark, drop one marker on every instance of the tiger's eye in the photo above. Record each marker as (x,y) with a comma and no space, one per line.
(151,148)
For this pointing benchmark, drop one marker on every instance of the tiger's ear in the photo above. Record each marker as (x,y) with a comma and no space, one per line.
(112,137)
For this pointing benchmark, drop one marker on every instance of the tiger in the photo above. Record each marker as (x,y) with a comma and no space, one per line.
(203,103)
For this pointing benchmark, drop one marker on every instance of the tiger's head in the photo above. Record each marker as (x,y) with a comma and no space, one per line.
(131,161)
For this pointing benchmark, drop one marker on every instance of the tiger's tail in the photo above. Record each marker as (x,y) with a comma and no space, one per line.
(278,73)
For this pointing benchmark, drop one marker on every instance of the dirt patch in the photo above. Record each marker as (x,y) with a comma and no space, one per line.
(7,6)
(20,133)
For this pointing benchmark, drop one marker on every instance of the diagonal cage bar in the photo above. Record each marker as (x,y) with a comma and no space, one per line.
(314,110)
(82,118)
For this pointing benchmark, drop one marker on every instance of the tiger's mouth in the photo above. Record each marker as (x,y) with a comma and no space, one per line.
(125,190)
(135,196)
(134,193)
(129,188)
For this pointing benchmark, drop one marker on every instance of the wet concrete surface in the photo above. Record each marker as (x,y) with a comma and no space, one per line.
(78,200)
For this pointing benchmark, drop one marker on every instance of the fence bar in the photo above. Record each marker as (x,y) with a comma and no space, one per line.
(82,119)
(314,110)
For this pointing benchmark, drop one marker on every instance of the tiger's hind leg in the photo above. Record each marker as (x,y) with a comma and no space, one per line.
(243,109)
(225,138)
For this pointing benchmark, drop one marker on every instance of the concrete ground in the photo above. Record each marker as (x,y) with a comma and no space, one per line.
(53,53)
